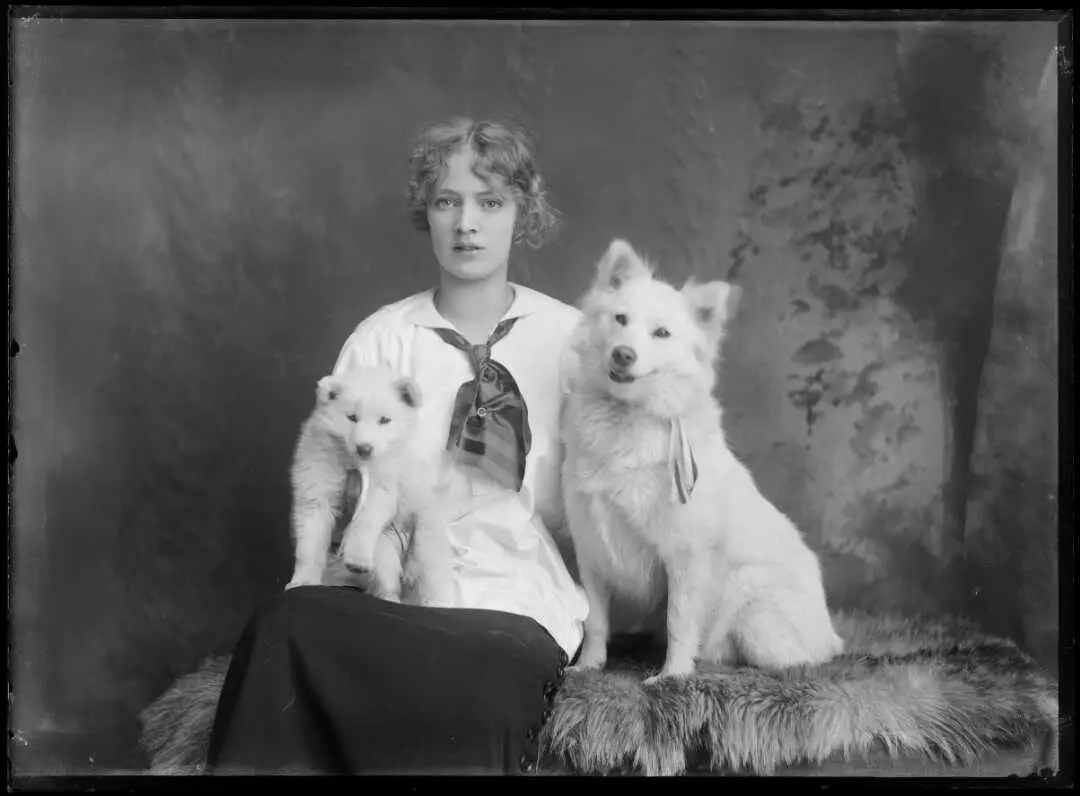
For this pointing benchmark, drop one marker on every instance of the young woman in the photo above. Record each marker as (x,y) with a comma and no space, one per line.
(332,680)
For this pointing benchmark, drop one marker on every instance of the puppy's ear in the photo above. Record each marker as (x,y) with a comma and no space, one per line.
(327,389)
(712,304)
(619,265)
(408,391)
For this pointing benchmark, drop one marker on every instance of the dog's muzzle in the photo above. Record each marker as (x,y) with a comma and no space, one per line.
(622,357)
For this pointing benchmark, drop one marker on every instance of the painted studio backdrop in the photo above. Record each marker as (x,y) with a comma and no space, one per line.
(204,211)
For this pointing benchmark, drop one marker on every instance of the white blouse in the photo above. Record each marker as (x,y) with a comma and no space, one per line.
(504,557)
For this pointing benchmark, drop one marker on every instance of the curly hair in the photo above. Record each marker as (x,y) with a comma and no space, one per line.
(500,149)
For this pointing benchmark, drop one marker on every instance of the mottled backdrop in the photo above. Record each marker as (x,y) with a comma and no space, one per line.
(203,212)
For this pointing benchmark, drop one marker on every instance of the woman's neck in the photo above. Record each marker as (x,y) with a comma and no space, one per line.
(474,307)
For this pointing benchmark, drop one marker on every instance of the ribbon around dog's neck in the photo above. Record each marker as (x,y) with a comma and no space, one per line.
(684,469)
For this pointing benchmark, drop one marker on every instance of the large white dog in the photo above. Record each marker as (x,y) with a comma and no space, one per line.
(657,504)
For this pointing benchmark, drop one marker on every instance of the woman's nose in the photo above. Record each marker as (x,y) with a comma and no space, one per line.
(466,219)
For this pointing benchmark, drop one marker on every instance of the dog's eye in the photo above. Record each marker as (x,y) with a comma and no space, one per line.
(352,417)
(661,332)
(383,421)
(620,319)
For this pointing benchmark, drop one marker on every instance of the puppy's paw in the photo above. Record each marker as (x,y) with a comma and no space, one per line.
(358,556)
(389,595)
(303,580)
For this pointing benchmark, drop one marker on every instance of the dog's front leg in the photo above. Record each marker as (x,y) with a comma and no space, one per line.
(314,527)
(387,575)
(687,578)
(597,622)
(362,535)
(313,518)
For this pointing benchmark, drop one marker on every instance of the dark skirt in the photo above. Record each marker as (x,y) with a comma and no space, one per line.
(330,680)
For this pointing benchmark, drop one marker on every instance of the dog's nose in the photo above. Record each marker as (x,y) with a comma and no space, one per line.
(623,356)
(363,450)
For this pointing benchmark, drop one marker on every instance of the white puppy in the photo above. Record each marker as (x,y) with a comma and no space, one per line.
(740,581)
(362,431)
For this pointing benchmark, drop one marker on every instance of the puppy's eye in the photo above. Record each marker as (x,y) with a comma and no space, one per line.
(352,417)
(661,332)
(383,421)
(620,319)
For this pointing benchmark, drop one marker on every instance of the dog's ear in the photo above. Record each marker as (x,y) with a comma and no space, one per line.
(408,391)
(712,304)
(327,389)
(619,265)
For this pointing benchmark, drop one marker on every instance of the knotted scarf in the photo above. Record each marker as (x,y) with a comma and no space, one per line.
(489,428)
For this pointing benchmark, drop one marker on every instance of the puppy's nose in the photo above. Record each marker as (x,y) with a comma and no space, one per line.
(363,450)
(623,356)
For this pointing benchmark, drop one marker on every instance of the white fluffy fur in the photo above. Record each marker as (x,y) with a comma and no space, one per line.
(741,584)
(375,410)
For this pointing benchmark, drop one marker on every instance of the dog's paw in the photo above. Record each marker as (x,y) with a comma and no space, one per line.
(362,567)
(387,595)
(593,656)
(667,674)
(587,666)
(358,558)
(303,580)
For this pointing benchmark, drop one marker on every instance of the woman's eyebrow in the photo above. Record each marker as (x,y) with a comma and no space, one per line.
(485,192)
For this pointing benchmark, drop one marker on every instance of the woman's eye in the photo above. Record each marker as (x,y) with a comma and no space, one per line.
(443,202)
(620,319)
(383,421)
(493,204)
(352,418)
(661,332)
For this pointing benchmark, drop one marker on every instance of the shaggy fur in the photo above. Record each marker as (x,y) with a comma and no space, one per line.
(177,726)
(936,688)
(740,581)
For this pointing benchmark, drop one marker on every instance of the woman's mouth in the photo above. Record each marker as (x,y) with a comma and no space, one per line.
(468,248)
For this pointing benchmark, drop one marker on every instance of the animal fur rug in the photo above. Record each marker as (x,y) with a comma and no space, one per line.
(938,688)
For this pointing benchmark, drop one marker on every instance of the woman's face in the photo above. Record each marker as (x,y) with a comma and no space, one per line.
(471,221)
